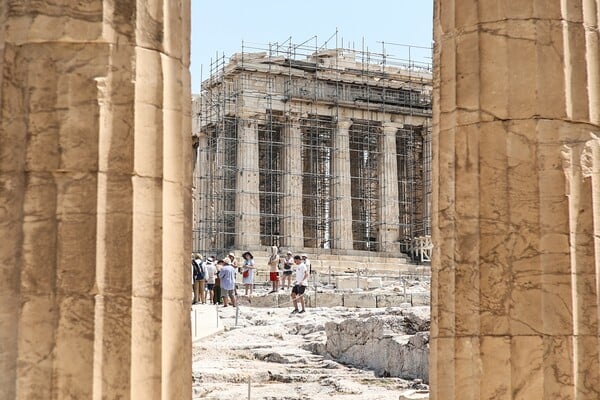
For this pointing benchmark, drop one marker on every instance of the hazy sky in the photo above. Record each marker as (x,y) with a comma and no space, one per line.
(219,26)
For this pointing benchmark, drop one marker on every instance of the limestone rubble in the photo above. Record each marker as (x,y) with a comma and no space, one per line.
(357,353)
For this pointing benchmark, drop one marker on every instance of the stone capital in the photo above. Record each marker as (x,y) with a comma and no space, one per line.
(344,124)
(391,127)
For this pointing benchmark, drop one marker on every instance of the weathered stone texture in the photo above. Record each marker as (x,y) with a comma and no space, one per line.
(514,298)
(95,181)
(367,343)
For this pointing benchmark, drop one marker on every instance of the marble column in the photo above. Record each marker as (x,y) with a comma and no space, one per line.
(388,233)
(201,195)
(292,227)
(247,206)
(95,210)
(514,275)
(341,216)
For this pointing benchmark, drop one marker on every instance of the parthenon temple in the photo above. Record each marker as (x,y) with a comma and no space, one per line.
(96,193)
(323,151)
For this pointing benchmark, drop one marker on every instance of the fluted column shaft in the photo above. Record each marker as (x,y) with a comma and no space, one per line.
(95,171)
(342,203)
(247,200)
(201,195)
(292,227)
(388,190)
(514,293)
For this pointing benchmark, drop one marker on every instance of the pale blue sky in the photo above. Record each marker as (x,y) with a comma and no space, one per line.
(221,25)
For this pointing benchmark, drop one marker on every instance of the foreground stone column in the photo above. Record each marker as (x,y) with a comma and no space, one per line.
(95,206)
(515,271)
(247,207)
(291,227)
(342,203)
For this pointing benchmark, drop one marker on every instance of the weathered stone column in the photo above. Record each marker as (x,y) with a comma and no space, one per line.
(291,227)
(387,235)
(201,195)
(95,206)
(247,207)
(341,232)
(514,285)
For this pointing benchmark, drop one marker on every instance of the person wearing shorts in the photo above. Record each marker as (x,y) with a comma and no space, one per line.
(288,261)
(273,269)
(211,276)
(300,285)
(227,275)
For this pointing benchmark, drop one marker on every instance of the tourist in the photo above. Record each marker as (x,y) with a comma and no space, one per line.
(306,262)
(288,262)
(199,277)
(234,262)
(300,284)
(235,266)
(193,274)
(248,272)
(227,275)
(273,269)
(217,289)
(211,272)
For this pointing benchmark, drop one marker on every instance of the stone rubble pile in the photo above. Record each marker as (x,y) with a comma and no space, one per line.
(357,353)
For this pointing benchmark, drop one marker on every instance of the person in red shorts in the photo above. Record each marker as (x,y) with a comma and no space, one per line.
(273,269)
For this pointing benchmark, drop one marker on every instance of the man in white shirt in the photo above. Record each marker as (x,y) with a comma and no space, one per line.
(300,285)
(211,275)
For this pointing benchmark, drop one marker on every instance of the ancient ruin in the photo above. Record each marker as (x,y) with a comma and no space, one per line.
(323,151)
(95,177)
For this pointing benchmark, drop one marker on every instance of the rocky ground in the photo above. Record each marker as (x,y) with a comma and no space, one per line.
(339,352)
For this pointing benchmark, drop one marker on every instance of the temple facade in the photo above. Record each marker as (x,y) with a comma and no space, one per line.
(327,154)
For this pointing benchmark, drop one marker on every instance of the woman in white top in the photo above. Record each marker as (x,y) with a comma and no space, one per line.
(248,272)
(211,275)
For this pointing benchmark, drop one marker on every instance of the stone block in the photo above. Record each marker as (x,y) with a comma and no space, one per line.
(360,300)
(243,301)
(420,299)
(389,300)
(328,299)
(284,299)
(351,282)
(267,300)
(364,343)
(374,283)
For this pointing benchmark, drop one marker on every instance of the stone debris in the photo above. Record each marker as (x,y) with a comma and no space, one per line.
(315,355)
(414,395)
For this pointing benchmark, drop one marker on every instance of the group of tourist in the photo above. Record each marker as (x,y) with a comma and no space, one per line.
(217,278)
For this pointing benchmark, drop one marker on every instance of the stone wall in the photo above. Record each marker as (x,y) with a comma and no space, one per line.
(338,299)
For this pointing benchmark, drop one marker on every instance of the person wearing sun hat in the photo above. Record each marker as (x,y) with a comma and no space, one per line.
(234,263)
(306,262)
(227,275)
(248,272)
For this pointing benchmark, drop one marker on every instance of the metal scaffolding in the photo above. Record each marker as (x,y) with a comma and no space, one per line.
(277,89)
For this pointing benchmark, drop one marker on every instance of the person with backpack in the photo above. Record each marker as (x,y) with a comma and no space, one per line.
(199,279)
